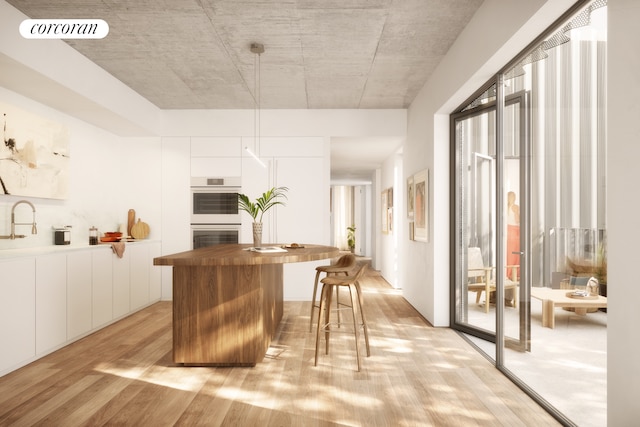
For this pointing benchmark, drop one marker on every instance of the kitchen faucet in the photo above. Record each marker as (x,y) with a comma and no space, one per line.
(34,229)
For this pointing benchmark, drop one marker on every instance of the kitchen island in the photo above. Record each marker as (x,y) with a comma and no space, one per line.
(228,301)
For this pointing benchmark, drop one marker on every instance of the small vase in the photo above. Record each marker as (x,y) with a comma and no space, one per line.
(257,234)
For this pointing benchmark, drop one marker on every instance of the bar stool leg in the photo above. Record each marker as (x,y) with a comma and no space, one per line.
(321,311)
(364,321)
(327,319)
(353,292)
(313,301)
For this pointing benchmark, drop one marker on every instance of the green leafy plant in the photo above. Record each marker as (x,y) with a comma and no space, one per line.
(351,237)
(263,203)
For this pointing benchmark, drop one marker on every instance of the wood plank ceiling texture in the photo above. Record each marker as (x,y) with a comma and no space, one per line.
(320,54)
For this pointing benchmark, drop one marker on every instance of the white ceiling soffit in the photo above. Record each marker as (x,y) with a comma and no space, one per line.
(353,160)
(191,54)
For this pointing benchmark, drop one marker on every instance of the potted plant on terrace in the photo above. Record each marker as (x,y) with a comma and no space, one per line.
(257,209)
(351,238)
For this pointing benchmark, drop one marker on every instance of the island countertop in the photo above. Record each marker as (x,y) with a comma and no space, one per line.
(228,301)
(240,254)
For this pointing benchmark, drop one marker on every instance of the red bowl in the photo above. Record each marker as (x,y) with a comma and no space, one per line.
(113,234)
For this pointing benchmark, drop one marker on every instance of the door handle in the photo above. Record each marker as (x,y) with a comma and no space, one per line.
(517,253)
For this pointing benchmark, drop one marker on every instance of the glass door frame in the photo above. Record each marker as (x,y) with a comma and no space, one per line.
(521,343)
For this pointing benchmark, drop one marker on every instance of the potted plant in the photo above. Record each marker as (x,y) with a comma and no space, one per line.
(257,209)
(351,238)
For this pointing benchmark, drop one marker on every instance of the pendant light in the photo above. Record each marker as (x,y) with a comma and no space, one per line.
(257,49)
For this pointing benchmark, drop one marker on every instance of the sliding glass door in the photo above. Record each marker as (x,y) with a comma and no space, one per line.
(491,266)
(475,235)
(529,237)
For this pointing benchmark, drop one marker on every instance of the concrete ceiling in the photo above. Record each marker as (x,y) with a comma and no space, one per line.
(194,54)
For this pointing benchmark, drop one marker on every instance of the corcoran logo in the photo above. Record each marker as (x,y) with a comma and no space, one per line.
(64,29)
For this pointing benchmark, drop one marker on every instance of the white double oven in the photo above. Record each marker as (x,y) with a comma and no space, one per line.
(215,218)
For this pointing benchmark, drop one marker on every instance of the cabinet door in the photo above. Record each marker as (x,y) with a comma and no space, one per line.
(79,302)
(304,218)
(102,282)
(255,181)
(139,254)
(17,312)
(155,274)
(121,284)
(51,302)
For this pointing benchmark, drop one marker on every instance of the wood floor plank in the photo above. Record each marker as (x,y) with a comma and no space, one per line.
(416,375)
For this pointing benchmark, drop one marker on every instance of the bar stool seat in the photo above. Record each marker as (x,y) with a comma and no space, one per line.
(343,266)
(328,284)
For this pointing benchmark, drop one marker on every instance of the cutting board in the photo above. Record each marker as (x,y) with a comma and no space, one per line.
(140,230)
(131,220)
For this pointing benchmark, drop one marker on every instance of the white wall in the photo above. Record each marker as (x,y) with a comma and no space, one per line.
(623,152)
(390,254)
(480,51)
(108,175)
(55,74)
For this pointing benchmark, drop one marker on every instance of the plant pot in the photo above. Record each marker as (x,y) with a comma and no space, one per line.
(257,234)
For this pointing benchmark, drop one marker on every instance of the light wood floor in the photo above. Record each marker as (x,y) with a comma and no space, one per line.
(416,376)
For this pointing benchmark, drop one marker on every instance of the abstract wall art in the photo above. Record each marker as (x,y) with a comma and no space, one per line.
(34,155)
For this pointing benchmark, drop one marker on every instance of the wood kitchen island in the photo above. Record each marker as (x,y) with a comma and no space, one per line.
(228,301)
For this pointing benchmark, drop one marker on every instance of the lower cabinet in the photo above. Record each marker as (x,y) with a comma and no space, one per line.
(139,273)
(50,300)
(102,287)
(155,273)
(17,312)
(79,290)
(121,285)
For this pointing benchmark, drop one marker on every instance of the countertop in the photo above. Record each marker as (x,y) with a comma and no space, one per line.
(6,254)
(234,254)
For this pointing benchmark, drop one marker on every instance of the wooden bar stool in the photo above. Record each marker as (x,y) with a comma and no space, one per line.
(359,321)
(344,264)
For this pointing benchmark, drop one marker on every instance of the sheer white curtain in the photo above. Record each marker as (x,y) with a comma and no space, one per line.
(342,214)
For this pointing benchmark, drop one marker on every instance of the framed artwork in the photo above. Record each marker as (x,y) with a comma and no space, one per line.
(34,155)
(385,206)
(421,206)
(410,201)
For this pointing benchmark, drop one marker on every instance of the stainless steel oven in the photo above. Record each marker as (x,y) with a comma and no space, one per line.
(215,200)
(203,235)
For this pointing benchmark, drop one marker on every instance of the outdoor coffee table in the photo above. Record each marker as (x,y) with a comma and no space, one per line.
(552,298)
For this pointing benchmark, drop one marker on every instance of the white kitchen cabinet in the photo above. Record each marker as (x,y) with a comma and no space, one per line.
(102,287)
(255,181)
(216,146)
(79,301)
(216,166)
(306,211)
(304,219)
(216,156)
(155,273)
(139,271)
(297,163)
(51,302)
(17,312)
(121,284)
(295,146)
(52,299)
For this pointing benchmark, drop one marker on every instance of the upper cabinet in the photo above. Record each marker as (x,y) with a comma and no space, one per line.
(300,146)
(216,156)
